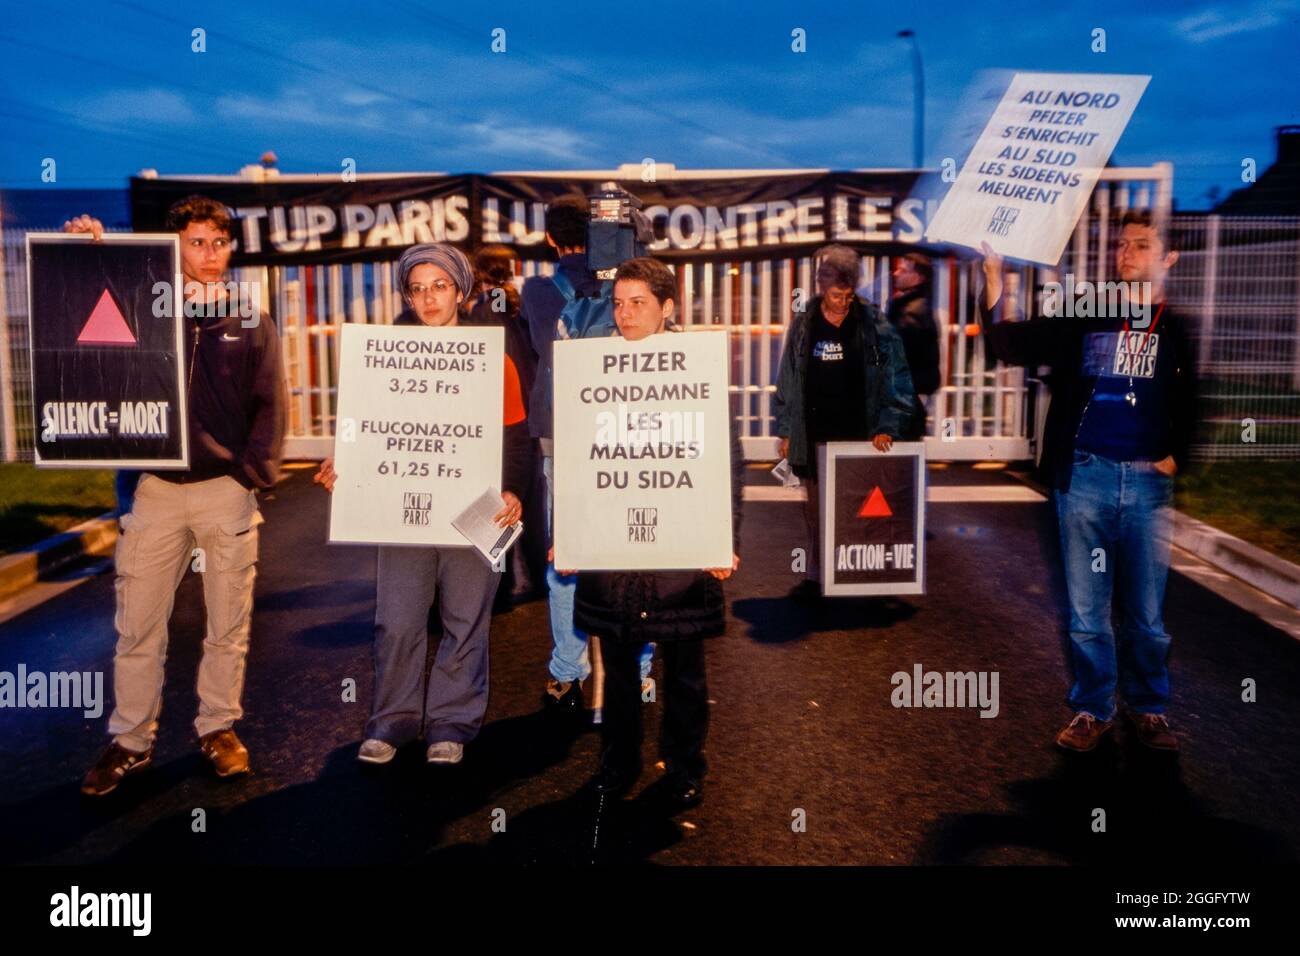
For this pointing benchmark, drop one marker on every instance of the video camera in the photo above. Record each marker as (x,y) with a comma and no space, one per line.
(618,230)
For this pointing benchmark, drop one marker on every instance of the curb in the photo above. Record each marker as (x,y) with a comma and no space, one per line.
(24,568)
(1262,570)
(1274,576)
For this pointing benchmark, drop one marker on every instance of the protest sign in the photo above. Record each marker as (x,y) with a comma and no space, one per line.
(419,431)
(105,326)
(872,518)
(1028,178)
(643,453)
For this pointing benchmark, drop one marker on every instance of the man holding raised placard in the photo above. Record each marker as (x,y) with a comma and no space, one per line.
(1119,427)
(207,513)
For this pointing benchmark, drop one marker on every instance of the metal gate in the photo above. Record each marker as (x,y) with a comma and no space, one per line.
(981,411)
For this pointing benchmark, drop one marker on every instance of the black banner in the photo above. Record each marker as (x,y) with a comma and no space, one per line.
(299,220)
(106,363)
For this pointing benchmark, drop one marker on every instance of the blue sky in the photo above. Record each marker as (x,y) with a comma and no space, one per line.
(110,87)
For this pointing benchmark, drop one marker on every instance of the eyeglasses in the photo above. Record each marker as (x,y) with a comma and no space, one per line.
(418,290)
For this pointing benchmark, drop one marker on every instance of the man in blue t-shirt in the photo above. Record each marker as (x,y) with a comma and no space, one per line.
(1119,427)
(543,302)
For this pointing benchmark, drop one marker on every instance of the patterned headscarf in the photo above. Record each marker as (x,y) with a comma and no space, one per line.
(448,258)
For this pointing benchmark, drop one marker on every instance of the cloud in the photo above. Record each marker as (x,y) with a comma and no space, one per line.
(527,141)
(151,105)
(1214,23)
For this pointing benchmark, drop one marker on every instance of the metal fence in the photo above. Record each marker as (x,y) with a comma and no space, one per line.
(1241,276)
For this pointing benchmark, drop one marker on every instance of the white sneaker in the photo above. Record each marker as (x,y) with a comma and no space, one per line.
(376,751)
(445,751)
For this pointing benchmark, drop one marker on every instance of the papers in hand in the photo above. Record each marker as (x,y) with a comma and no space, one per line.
(783,473)
(478,528)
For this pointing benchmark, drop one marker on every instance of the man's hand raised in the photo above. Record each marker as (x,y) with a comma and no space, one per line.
(992,275)
(85,223)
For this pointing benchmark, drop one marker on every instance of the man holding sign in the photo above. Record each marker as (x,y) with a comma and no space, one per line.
(205,517)
(445,704)
(644,444)
(1119,427)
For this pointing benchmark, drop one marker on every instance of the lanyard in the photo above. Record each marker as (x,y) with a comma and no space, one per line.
(1154,322)
(1131,396)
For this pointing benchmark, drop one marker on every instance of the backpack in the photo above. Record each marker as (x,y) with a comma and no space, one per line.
(584,318)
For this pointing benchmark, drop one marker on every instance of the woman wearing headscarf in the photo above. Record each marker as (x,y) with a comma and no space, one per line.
(446,705)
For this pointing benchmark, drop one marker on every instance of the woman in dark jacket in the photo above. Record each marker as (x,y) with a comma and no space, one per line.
(496,301)
(674,609)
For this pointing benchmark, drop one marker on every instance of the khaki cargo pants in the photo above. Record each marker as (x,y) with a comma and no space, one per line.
(211,527)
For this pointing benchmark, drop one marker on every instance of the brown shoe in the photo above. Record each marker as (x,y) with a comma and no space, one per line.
(1083,733)
(1153,730)
(114,764)
(229,757)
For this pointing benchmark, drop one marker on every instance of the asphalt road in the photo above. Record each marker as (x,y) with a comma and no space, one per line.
(803,730)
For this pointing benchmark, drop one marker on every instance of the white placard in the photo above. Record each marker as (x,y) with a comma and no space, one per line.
(643,453)
(1028,178)
(418,432)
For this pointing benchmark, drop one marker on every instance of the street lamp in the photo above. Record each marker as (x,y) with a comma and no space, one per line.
(918,101)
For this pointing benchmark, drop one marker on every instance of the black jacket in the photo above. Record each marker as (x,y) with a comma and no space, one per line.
(888,399)
(1058,342)
(517,447)
(911,317)
(640,606)
(235,389)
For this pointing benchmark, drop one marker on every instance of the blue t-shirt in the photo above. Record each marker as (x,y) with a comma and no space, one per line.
(1127,418)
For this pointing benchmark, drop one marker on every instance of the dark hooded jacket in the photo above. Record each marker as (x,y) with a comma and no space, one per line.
(640,606)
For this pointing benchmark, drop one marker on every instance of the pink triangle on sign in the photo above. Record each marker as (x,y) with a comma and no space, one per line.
(106,325)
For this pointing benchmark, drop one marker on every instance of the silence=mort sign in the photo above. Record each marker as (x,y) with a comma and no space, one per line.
(875,505)
(106,325)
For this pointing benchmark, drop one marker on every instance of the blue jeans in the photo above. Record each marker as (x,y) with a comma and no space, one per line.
(569,660)
(1116,526)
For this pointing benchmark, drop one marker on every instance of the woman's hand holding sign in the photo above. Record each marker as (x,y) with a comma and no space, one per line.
(511,512)
(326,475)
(723,573)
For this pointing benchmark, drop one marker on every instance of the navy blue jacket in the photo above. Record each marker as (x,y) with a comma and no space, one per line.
(540,312)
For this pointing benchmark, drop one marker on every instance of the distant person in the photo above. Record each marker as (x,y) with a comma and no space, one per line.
(496,301)
(1118,429)
(912,316)
(843,377)
(444,703)
(545,300)
(236,427)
